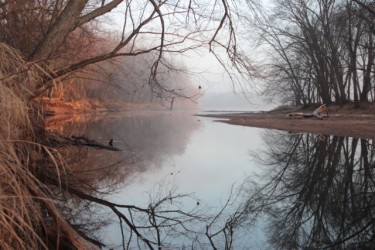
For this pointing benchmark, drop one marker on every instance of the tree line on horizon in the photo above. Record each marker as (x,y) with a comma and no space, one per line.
(320,51)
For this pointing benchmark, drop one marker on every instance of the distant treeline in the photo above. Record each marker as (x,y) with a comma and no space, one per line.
(321,51)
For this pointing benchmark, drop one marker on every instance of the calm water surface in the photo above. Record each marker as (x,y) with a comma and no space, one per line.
(215,159)
(247,188)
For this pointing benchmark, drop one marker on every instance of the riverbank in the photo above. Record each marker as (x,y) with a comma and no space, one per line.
(342,121)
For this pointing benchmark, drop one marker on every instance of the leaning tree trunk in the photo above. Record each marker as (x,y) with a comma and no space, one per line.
(59,30)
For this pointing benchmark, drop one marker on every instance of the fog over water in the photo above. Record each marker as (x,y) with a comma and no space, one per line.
(230,101)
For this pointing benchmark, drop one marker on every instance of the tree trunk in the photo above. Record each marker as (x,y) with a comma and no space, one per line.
(353,41)
(353,70)
(367,73)
(59,30)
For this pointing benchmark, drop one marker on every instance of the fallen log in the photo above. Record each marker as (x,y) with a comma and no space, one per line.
(319,113)
(59,140)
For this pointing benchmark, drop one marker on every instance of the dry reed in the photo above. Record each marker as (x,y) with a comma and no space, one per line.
(19,213)
(24,200)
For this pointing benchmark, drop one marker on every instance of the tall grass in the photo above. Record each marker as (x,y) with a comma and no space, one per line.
(24,200)
(20,215)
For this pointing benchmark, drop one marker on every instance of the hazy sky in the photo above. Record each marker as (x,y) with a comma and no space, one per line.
(206,71)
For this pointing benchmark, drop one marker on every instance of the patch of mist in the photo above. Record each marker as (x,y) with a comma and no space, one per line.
(229,101)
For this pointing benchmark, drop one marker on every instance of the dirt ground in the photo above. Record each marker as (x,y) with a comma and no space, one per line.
(342,121)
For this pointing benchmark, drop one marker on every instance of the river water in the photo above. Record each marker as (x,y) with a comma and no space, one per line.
(196,183)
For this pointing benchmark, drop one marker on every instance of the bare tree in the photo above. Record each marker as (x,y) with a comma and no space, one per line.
(322,50)
(156,28)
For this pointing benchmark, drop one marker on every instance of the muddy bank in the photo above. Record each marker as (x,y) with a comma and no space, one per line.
(358,123)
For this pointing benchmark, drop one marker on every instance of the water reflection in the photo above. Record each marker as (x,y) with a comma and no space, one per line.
(318,193)
(147,140)
(313,192)
(168,217)
(149,136)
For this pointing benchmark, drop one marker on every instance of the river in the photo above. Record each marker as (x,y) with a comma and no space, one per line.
(192,182)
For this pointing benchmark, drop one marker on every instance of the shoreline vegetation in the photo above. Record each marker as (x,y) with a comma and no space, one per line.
(57,107)
(33,174)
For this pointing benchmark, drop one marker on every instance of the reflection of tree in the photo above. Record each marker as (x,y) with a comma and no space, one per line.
(152,226)
(152,136)
(319,193)
(170,220)
(225,226)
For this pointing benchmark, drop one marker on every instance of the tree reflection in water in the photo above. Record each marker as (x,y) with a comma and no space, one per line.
(318,191)
(169,221)
(82,190)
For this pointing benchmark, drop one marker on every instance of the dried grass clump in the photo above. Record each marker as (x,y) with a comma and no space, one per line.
(20,76)
(20,215)
(24,200)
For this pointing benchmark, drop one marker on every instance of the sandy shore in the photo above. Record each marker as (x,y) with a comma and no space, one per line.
(341,122)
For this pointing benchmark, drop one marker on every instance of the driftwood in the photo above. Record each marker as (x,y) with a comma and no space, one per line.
(316,113)
(56,140)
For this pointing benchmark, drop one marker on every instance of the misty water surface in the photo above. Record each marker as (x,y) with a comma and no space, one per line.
(286,191)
